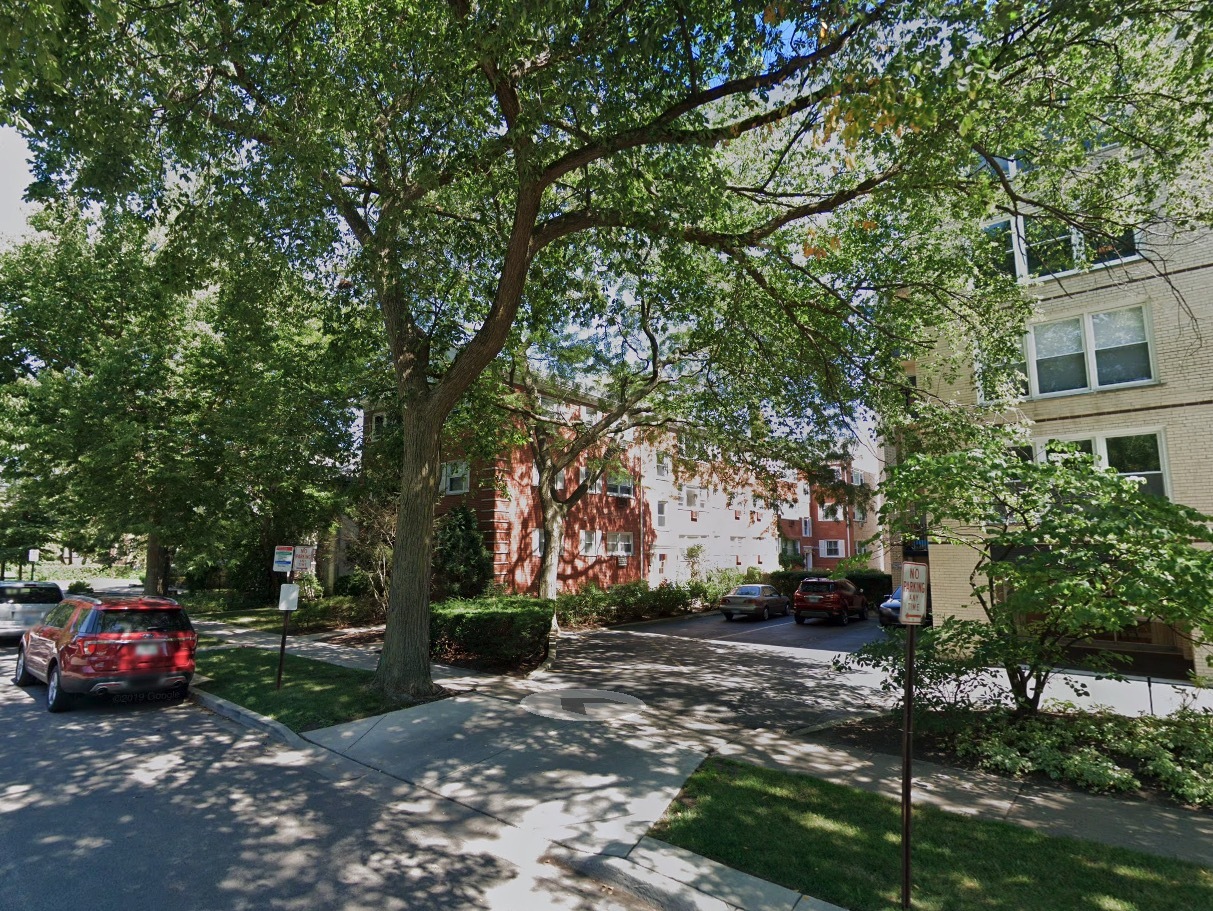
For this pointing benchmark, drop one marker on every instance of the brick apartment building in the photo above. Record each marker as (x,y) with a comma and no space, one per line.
(644,522)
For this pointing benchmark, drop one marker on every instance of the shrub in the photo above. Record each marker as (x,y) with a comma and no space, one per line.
(79,587)
(504,631)
(629,603)
(875,585)
(309,587)
(337,612)
(357,583)
(463,566)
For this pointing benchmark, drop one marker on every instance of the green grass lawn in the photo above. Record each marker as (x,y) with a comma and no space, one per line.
(314,694)
(844,846)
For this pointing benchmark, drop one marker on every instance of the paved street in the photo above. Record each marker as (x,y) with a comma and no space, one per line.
(155,808)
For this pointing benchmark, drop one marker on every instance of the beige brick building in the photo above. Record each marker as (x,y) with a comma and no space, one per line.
(1118,359)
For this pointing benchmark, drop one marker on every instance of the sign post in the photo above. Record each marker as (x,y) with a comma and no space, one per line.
(288,600)
(913,609)
(33,555)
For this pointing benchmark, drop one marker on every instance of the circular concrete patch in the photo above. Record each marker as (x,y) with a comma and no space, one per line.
(583,705)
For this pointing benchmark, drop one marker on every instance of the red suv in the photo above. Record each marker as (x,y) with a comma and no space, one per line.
(836,600)
(108,644)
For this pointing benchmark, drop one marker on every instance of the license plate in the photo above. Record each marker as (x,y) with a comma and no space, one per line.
(814,599)
(147,649)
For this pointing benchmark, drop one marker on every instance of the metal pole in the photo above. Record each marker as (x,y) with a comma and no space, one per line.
(907,757)
(286,618)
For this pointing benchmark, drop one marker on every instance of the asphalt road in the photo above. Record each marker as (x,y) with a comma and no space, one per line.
(748,674)
(170,808)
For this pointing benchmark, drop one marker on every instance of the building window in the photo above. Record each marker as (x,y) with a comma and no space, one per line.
(693,497)
(589,414)
(806,527)
(590,542)
(1036,246)
(454,477)
(661,505)
(596,487)
(620,485)
(831,549)
(538,542)
(1136,455)
(663,465)
(830,512)
(1092,351)
(619,543)
(857,477)
(378,422)
(791,546)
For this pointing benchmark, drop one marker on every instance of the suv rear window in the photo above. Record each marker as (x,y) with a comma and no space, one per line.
(816,586)
(143,621)
(31,594)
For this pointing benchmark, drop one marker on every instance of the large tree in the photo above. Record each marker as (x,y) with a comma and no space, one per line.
(455,158)
(136,403)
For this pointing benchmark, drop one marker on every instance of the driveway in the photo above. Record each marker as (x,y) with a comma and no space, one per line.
(704,669)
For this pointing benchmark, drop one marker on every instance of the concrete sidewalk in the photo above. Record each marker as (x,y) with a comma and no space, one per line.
(591,787)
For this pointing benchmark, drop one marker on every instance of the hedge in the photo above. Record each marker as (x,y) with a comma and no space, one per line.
(502,631)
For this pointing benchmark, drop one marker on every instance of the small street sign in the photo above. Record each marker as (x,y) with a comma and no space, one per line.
(284,555)
(913,593)
(288,597)
(305,558)
(34,554)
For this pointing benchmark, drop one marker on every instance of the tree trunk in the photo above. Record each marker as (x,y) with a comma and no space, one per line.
(404,665)
(554,515)
(153,567)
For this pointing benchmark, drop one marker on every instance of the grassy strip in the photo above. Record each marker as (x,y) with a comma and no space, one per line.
(843,845)
(314,694)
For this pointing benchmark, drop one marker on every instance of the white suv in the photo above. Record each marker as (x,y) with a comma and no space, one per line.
(22,604)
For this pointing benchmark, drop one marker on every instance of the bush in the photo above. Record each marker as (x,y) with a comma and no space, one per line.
(357,583)
(79,587)
(463,566)
(508,631)
(1099,751)
(336,612)
(875,585)
(309,587)
(630,602)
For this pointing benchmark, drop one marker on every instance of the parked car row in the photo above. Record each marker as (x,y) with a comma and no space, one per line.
(92,645)
(836,600)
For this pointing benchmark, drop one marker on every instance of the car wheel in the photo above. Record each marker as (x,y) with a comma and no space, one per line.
(800,621)
(728,616)
(766,613)
(22,677)
(844,618)
(863,611)
(786,610)
(56,699)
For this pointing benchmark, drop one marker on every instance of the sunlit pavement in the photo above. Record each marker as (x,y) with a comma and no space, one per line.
(162,808)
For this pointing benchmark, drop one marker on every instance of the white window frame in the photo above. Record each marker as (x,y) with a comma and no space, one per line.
(1099,445)
(1086,322)
(452,472)
(621,485)
(584,473)
(590,414)
(663,467)
(662,506)
(696,493)
(1019,247)
(832,512)
(538,544)
(806,527)
(619,543)
(838,545)
(591,543)
(857,477)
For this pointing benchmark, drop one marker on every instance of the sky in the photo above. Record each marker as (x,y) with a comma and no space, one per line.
(14,177)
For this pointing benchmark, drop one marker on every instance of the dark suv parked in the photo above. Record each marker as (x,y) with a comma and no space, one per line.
(108,644)
(836,600)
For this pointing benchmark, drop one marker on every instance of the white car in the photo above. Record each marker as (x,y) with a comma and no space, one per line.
(23,604)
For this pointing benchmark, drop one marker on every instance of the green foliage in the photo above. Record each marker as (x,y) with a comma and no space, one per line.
(356,583)
(463,566)
(1064,550)
(500,632)
(629,603)
(875,585)
(309,587)
(79,587)
(952,664)
(1099,751)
